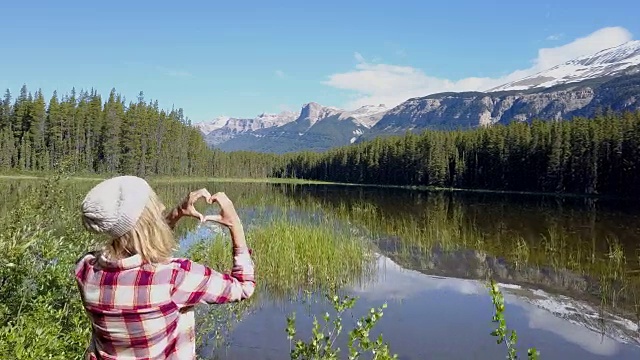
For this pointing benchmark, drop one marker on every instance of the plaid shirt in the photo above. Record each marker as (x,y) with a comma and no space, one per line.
(144,311)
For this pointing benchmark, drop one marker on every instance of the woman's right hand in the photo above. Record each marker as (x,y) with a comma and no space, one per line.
(228,215)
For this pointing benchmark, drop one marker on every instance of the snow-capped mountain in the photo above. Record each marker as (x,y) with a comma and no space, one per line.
(224,128)
(279,119)
(261,121)
(620,60)
(608,79)
(580,87)
(317,128)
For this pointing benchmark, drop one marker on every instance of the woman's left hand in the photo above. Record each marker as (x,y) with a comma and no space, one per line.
(187,207)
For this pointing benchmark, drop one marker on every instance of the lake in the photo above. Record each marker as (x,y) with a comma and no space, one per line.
(569,268)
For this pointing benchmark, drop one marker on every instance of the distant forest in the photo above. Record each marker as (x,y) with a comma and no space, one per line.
(584,156)
(587,156)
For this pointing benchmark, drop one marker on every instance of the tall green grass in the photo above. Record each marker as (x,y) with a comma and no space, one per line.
(295,257)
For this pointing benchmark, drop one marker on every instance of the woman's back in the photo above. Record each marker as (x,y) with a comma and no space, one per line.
(144,310)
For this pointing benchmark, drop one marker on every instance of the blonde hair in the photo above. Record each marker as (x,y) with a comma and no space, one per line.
(151,238)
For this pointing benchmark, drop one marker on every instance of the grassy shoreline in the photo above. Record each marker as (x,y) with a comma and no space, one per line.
(199,179)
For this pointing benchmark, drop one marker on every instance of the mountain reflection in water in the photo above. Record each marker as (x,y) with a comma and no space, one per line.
(432,316)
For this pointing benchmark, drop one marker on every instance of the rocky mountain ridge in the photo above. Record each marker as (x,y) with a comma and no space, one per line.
(317,128)
(609,79)
(469,110)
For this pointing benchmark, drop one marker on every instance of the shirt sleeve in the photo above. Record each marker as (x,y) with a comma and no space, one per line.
(81,266)
(196,283)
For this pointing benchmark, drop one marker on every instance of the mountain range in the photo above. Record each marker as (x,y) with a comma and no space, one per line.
(608,79)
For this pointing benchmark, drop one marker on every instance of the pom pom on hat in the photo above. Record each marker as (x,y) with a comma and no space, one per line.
(114,205)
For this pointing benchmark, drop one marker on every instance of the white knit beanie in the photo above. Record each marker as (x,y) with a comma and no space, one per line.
(114,206)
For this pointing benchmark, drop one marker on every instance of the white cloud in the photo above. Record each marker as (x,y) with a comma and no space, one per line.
(280,73)
(397,283)
(388,84)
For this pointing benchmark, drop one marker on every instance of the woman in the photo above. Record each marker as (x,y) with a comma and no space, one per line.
(138,298)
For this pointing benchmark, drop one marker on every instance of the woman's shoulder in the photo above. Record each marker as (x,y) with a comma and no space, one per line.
(84,262)
(189,266)
(182,263)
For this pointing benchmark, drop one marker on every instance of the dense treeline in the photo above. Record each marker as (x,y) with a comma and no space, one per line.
(90,136)
(588,156)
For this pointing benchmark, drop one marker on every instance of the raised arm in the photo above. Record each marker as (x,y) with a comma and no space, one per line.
(197,283)
(228,217)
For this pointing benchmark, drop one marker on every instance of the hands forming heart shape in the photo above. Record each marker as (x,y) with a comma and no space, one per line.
(227,216)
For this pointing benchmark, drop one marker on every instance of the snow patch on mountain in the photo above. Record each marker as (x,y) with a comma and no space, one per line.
(217,123)
(366,116)
(608,62)
(279,119)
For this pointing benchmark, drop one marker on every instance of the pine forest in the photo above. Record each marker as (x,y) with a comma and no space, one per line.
(599,155)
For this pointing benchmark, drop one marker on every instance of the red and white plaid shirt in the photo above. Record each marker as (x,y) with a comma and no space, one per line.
(145,311)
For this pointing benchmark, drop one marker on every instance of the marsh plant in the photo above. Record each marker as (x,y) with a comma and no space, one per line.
(504,335)
(321,345)
(292,258)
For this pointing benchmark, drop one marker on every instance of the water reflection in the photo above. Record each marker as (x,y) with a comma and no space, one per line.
(573,320)
(576,247)
(438,317)
(440,307)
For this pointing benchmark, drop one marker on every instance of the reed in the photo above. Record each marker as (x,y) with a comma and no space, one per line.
(292,257)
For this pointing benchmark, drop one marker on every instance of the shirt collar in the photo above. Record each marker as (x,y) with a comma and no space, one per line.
(121,264)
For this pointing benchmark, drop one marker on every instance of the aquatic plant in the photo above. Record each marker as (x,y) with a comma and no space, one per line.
(321,345)
(503,334)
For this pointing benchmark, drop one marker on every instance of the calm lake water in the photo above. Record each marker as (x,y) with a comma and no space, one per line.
(570,270)
(438,301)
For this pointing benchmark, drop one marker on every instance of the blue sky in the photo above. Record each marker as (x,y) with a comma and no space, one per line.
(242,59)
